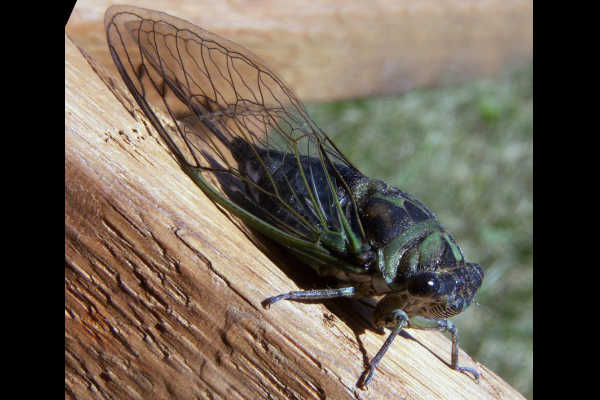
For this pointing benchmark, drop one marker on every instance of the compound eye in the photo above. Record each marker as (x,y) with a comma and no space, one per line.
(425,284)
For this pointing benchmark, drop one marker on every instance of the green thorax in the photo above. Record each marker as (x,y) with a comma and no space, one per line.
(406,236)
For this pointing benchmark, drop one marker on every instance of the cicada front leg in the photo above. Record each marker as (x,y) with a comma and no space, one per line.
(396,320)
(444,325)
(318,294)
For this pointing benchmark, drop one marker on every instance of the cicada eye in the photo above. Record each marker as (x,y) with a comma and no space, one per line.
(425,284)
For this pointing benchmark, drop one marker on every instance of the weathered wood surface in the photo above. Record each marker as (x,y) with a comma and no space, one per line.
(163,291)
(334,49)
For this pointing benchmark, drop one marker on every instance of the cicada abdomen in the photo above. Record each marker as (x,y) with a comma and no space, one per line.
(245,139)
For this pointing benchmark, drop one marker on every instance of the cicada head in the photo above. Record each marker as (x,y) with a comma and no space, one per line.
(432,294)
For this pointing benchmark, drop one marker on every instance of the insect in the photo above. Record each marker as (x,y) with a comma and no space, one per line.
(245,139)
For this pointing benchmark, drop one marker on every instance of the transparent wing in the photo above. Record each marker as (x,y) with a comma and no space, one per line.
(236,122)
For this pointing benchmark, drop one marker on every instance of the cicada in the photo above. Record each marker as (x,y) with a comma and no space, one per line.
(245,139)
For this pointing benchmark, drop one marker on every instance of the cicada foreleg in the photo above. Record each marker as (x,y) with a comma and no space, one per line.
(444,325)
(398,320)
(318,294)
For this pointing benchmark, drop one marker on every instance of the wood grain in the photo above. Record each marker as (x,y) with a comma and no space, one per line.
(163,291)
(336,49)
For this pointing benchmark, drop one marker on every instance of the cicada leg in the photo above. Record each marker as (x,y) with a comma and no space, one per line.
(444,325)
(398,319)
(320,294)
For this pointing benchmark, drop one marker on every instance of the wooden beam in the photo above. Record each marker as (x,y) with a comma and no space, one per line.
(163,292)
(334,49)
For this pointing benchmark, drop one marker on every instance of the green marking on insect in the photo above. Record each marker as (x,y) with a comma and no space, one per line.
(244,138)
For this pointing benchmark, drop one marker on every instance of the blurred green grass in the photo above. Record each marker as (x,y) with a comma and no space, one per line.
(467,152)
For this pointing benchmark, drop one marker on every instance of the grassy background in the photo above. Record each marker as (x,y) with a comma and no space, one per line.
(466,152)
